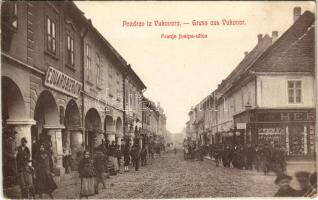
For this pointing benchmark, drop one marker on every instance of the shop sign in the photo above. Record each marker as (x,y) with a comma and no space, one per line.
(241,126)
(270,131)
(288,116)
(59,81)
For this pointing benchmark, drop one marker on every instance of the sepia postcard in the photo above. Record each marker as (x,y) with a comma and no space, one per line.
(158,99)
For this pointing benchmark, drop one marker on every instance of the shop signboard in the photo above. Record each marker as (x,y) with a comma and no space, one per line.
(241,126)
(307,116)
(61,82)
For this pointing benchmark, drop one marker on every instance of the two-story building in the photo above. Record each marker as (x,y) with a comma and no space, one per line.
(270,96)
(283,110)
(41,75)
(62,82)
(134,88)
(103,92)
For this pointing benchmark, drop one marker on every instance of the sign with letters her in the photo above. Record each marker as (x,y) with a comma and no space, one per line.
(57,80)
(309,116)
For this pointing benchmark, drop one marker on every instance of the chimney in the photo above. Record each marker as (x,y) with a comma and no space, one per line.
(274,36)
(245,54)
(297,13)
(259,37)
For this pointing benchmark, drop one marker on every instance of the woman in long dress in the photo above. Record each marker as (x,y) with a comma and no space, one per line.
(88,176)
(43,172)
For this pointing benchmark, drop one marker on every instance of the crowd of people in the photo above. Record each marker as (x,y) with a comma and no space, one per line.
(36,176)
(266,158)
(107,161)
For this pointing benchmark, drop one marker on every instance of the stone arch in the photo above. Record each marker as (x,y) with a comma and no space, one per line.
(71,135)
(93,127)
(13,105)
(13,111)
(92,120)
(72,114)
(119,125)
(109,124)
(46,111)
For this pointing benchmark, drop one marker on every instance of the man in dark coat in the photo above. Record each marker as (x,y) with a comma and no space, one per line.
(285,190)
(135,154)
(303,179)
(250,157)
(43,171)
(99,166)
(23,155)
(265,156)
(25,172)
(143,155)
(226,156)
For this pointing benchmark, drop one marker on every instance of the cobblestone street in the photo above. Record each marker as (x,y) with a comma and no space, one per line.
(172,177)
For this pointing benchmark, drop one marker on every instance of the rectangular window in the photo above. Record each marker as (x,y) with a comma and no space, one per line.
(98,69)
(15,15)
(88,63)
(51,36)
(70,50)
(294,91)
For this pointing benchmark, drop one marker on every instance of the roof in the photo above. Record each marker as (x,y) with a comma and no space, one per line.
(246,63)
(133,74)
(294,51)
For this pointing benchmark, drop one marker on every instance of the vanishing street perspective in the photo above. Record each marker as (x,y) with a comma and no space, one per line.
(78,121)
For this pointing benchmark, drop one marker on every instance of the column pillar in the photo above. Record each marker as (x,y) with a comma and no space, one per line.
(23,129)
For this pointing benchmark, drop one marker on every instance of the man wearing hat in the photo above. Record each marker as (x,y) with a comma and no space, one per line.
(23,158)
(283,181)
(303,179)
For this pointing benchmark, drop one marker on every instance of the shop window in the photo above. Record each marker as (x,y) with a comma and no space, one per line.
(296,140)
(70,50)
(271,135)
(311,140)
(51,35)
(294,91)
(88,63)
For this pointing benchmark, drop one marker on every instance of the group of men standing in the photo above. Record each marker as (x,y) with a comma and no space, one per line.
(264,157)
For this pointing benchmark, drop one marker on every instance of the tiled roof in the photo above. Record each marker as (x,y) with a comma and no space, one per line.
(294,51)
(246,63)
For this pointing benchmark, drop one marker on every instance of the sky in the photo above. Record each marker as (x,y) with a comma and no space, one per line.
(179,73)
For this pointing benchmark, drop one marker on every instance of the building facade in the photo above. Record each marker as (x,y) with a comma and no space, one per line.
(134,88)
(41,75)
(103,90)
(62,82)
(270,96)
